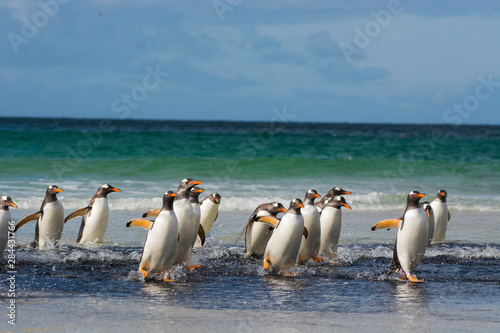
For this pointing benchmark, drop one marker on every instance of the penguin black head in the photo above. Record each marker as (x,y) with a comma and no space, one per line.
(336,191)
(194,193)
(168,200)
(295,206)
(53,189)
(413,199)
(311,195)
(276,208)
(215,198)
(442,195)
(337,202)
(105,189)
(5,202)
(187,183)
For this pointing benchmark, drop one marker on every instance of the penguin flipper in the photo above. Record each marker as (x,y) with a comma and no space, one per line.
(201,234)
(268,219)
(449,216)
(151,213)
(27,219)
(143,223)
(76,213)
(250,220)
(390,223)
(305,233)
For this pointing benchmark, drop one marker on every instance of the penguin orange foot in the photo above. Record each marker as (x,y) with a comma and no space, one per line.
(266,265)
(191,267)
(414,279)
(318,259)
(144,273)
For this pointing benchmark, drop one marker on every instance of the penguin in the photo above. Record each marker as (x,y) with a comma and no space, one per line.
(257,230)
(5,221)
(411,239)
(430,215)
(95,216)
(334,192)
(331,223)
(309,247)
(209,211)
(283,246)
(441,215)
(194,193)
(50,219)
(186,222)
(159,248)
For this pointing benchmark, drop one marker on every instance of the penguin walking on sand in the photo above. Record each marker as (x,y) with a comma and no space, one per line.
(161,241)
(331,224)
(186,219)
(411,239)
(309,247)
(50,219)
(5,220)
(95,216)
(441,215)
(257,230)
(334,192)
(194,193)
(283,246)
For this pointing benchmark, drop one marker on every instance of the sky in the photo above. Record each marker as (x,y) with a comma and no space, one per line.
(431,62)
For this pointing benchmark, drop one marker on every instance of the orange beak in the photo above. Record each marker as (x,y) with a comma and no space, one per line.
(12,204)
(420,195)
(172,194)
(346,192)
(114,189)
(195,182)
(283,210)
(300,205)
(58,190)
(346,205)
(317,195)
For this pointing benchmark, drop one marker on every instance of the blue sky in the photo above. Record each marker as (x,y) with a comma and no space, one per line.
(315,61)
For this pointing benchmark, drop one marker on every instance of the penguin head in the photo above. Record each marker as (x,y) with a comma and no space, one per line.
(187,183)
(105,189)
(295,206)
(414,198)
(337,202)
(311,195)
(6,201)
(277,207)
(168,200)
(442,195)
(194,193)
(53,189)
(215,197)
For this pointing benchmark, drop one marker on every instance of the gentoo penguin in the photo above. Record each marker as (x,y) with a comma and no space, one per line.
(186,219)
(334,192)
(194,193)
(50,219)
(441,215)
(309,247)
(430,215)
(161,241)
(5,222)
(95,216)
(209,211)
(257,231)
(412,237)
(283,246)
(331,223)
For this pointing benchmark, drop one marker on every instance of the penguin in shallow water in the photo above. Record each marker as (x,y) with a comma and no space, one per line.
(194,194)
(331,224)
(283,246)
(309,247)
(334,192)
(257,230)
(5,220)
(441,215)
(430,215)
(209,207)
(50,219)
(411,239)
(161,241)
(95,216)
(186,219)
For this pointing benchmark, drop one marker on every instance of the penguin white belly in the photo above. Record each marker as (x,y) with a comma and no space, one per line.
(97,223)
(257,237)
(283,247)
(50,224)
(185,217)
(197,215)
(309,247)
(331,223)
(209,212)
(412,239)
(431,227)
(440,220)
(159,249)
(5,218)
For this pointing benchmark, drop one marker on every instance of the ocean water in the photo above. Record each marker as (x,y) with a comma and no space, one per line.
(84,288)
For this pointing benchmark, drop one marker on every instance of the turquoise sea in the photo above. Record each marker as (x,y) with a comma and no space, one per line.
(96,288)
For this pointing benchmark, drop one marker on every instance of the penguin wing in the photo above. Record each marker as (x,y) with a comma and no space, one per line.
(76,213)
(449,216)
(250,220)
(390,223)
(143,223)
(201,234)
(268,219)
(151,213)
(27,219)
(305,233)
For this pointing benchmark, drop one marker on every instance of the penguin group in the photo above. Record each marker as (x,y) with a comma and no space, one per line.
(307,230)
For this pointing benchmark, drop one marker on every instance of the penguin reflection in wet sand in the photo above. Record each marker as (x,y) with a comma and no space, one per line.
(161,241)
(334,192)
(331,224)
(411,239)
(50,219)
(309,247)
(284,244)
(257,230)
(95,216)
(5,219)
(186,219)
(441,215)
